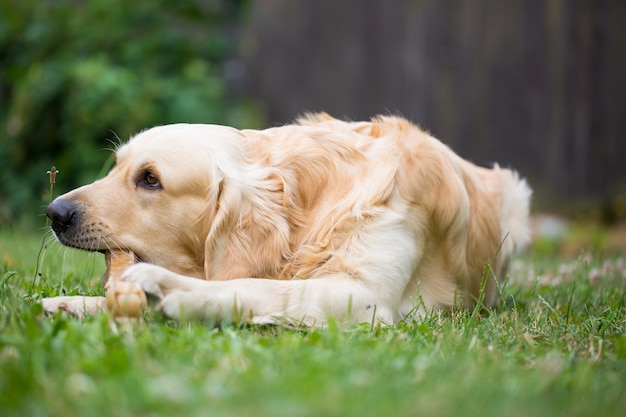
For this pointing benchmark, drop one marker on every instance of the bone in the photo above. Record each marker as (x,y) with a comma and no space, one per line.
(123,299)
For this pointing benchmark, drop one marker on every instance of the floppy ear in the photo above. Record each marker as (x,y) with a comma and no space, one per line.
(226,214)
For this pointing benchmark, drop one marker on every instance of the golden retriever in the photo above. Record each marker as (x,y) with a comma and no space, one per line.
(355,221)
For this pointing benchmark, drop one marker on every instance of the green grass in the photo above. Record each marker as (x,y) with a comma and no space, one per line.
(556,347)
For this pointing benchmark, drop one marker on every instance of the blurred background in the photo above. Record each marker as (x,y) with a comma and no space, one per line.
(536,85)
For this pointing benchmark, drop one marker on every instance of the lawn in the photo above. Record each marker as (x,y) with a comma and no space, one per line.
(556,347)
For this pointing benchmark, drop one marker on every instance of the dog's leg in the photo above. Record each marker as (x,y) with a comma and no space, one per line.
(370,289)
(78,306)
(295,302)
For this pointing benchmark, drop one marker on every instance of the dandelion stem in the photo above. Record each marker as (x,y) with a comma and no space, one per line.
(52,175)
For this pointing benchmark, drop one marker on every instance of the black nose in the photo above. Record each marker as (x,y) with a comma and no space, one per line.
(61,212)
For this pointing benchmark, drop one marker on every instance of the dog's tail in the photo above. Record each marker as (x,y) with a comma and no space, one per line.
(515,209)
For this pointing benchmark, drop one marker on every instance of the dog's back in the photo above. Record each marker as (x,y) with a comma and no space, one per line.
(464,221)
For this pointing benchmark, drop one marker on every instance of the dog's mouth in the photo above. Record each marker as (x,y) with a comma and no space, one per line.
(117,261)
(88,237)
(137,257)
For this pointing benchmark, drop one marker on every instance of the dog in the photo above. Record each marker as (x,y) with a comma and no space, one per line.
(318,220)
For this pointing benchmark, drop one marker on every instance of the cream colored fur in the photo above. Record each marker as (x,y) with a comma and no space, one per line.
(363,221)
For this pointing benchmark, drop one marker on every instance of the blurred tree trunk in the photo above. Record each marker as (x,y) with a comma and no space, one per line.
(537,85)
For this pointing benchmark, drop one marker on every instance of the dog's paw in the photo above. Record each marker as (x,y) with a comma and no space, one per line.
(178,306)
(76,306)
(153,280)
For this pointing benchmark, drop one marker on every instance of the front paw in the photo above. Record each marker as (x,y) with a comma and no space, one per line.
(153,280)
(77,306)
(189,306)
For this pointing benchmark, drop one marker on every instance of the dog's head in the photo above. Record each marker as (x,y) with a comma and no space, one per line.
(159,200)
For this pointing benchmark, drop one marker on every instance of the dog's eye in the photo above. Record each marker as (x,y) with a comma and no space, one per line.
(150,180)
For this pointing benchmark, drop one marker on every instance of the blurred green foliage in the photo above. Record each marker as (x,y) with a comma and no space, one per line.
(78,76)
